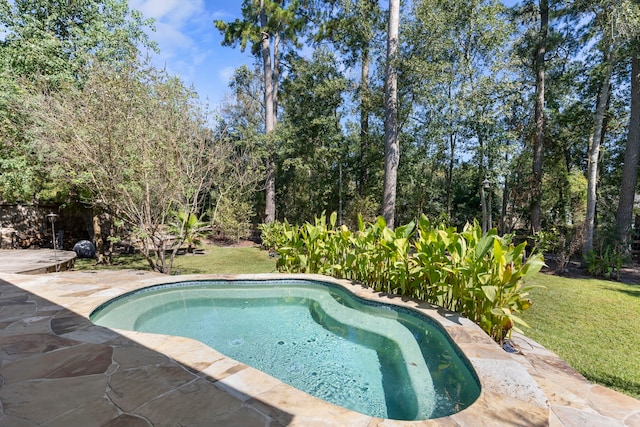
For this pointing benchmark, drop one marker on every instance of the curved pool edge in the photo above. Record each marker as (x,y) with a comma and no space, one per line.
(509,395)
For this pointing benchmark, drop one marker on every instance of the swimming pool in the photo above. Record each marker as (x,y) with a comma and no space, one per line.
(377,359)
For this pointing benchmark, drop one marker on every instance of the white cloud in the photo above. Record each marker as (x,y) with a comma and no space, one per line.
(171,38)
(190,44)
(175,11)
(226,74)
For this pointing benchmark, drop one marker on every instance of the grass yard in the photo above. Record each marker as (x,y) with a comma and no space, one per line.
(592,324)
(214,260)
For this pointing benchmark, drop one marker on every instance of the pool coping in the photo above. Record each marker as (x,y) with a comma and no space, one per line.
(509,394)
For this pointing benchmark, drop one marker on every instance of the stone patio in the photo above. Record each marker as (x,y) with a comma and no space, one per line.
(58,369)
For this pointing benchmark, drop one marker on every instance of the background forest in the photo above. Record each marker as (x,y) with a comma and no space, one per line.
(526,118)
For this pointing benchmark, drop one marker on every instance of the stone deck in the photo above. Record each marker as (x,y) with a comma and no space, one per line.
(58,369)
(36,261)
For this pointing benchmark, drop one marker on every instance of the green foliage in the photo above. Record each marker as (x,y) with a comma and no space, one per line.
(546,241)
(137,140)
(479,276)
(233,218)
(47,46)
(189,228)
(607,256)
(605,262)
(54,41)
(312,152)
(273,234)
(280,19)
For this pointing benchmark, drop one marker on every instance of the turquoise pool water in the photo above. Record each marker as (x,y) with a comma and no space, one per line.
(377,359)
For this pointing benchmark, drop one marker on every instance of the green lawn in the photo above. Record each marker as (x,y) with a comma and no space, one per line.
(214,260)
(592,324)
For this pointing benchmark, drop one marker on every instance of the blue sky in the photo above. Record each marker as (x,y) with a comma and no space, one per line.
(190,44)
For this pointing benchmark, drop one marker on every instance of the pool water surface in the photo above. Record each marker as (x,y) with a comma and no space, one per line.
(377,359)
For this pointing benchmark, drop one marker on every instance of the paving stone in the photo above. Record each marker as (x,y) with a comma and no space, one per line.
(206,402)
(251,381)
(67,322)
(514,381)
(29,325)
(243,417)
(97,412)
(493,409)
(612,404)
(633,420)
(8,292)
(12,312)
(34,343)
(571,417)
(561,393)
(462,335)
(224,368)
(134,357)
(77,361)
(50,309)
(93,334)
(126,420)
(192,353)
(11,421)
(132,388)
(439,422)
(309,410)
(43,400)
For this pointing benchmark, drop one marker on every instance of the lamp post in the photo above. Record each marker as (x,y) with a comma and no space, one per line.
(486,211)
(52,219)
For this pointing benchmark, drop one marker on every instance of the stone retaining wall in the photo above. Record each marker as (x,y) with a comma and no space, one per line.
(27,226)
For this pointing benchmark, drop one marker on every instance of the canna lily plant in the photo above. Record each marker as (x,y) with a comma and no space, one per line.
(480,276)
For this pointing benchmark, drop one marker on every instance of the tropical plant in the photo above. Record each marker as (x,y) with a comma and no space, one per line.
(189,229)
(605,261)
(478,275)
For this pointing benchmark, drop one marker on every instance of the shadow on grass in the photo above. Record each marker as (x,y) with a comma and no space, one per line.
(630,388)
(630,292)
(118,262)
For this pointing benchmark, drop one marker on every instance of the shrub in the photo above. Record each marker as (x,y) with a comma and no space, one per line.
(605,262)
(479,276)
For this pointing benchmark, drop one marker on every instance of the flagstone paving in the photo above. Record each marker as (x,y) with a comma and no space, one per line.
(35,261)
(58,369)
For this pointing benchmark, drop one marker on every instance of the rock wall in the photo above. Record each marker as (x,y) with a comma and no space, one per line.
(27,226)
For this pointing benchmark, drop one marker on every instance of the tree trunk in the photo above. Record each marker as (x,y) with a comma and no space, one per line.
(594,154)
(391,145)
(538,141)
(269,117)
(483,205)
(275,80)
(624,215)
(364,121)
(505,205)
(449,174)
(97,236)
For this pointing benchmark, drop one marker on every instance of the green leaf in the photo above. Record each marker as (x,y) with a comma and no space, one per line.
(483,246)
(333,219)
(533,265)
(497,250)
(490,292)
